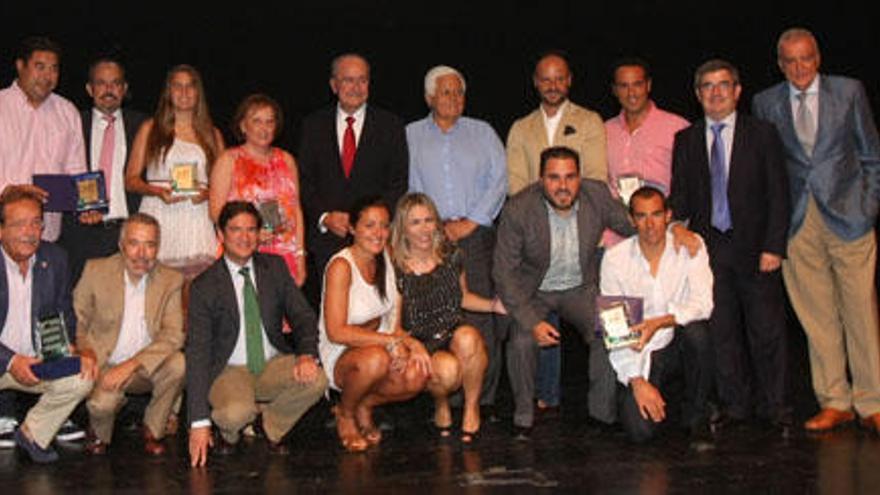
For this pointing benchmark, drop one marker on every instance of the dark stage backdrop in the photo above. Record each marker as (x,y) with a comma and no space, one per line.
(284,49)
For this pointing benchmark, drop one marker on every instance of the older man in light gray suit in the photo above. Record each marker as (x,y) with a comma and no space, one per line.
(833,158)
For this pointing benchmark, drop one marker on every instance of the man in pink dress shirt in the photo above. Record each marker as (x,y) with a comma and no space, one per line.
(640,137)
(40,132)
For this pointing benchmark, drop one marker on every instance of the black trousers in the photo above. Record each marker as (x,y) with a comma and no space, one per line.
(687,359)
(748,333)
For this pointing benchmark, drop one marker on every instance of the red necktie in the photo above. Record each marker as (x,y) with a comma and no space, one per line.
(105,161)
(348,147)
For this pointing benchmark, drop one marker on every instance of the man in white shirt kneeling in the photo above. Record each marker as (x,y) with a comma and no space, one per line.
(676,290)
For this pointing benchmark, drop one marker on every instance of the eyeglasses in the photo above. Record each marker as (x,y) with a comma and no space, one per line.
(723,86)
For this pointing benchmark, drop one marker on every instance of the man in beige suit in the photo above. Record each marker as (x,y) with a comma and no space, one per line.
(131,326)
(556,122)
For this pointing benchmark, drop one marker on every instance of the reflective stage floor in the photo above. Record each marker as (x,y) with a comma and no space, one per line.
(567,452)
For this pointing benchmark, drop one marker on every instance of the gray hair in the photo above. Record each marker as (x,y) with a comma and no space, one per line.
(143,219)
(334,65)
(438,72)
(792,34)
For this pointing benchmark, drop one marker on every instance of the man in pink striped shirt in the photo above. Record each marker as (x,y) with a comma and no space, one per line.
(640,138)
(40,132)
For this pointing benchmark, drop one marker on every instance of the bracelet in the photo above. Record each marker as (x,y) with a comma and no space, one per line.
(393,344)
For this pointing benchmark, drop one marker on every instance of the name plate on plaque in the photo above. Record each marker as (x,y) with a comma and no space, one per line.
(184,179)
(270,214)
(615,316)
(53,348)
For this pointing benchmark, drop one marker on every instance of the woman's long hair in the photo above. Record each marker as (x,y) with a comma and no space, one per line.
(400,248)
(162,134)
(354,215)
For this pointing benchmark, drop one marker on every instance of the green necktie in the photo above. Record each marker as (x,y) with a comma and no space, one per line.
(256,357)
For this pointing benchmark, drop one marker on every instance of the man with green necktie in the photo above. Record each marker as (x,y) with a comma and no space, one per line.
(239,363)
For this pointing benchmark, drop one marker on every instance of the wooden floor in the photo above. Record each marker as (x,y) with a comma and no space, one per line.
(568,452)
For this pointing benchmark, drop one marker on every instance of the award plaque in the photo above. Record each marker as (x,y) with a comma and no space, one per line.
(183,179)
(616,315)
(91,192)
(270,214)
(53,348)
(627,185)
(74,193)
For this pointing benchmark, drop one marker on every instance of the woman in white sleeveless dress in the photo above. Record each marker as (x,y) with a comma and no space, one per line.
(363,357)
(180,133)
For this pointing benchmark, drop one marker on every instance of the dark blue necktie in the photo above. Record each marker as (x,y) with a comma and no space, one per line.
(720,209)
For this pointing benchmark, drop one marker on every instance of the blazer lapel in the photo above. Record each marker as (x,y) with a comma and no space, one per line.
(788,132)
(539,130)
(827,108)
(152,299)
(226,291)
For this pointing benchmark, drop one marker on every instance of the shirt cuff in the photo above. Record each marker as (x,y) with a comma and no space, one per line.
(321,227)
(202,423)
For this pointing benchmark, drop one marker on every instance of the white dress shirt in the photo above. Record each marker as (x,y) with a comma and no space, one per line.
(18,329)
(357,125)
(812,101)
(239,353)
(682,288)
(116,187)
(133,334)
(726,134)
(552,123)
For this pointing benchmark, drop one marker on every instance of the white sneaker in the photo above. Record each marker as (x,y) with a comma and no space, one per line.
(69,432)
(7,431)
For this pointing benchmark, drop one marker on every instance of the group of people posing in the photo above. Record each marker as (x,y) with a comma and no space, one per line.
(386,260)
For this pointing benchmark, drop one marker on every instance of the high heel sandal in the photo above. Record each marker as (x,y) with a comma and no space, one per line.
(352,442)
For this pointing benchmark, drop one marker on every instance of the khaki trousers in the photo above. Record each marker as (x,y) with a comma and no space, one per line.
(57,400)
(166,384)
(236,392)
(831,285)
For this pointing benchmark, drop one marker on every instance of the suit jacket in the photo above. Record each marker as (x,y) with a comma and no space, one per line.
(757,187)
(579,129)
(99,302)
(522,250)
(50,294)
(213,318)
(381,167)
(131,120)
(843,173)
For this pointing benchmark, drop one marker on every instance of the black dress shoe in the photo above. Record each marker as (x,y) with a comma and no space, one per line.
(784,425)
(726,423)
(701,439)
(522,433)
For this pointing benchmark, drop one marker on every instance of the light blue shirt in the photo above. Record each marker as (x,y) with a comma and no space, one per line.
(463,169)
(565,267)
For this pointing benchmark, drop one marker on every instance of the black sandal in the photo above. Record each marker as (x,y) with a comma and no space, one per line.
(470,438)
(442,432)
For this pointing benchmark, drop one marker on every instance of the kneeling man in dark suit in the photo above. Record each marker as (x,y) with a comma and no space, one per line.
(238,360)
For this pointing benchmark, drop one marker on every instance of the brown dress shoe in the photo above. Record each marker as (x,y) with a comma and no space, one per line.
(828,419)
(152,446)
(94,445)
(872,423)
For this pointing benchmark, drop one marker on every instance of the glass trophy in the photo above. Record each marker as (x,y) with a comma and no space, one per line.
(627,185)
(183,179)
(270,214)
(53,348)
